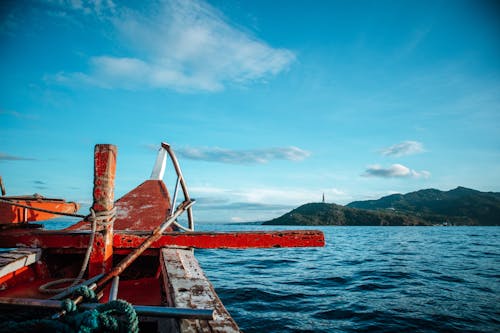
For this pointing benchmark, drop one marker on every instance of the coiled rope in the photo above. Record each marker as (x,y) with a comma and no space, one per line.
(114,316)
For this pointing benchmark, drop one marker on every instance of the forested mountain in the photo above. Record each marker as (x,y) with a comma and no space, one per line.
(461,206)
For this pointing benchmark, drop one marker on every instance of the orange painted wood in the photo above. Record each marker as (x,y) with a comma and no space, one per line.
(104,177)
(12,279)
(144,208)
(229,240)
(206,240)
(14,214)
(101,257)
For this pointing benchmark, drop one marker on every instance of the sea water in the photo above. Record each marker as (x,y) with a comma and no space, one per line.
(366,279)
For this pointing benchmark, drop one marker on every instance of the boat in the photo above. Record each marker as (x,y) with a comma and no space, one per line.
(32,208)
(128,266)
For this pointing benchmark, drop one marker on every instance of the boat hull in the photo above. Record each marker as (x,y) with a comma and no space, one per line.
(40,209)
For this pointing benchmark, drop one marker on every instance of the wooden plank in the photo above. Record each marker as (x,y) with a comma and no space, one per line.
(206,240)
(228,240)
(190,288)
(143,208)
(45,239)
(15,260)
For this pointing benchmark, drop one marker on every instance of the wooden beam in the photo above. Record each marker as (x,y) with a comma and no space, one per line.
(17,258)
(228,240)
(204,240)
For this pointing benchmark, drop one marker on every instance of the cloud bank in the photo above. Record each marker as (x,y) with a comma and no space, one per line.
(251,156)
(181,45)
(395,171)
(403,149)
(7,157)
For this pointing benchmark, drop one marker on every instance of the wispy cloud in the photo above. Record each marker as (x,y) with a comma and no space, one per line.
(264,196)
(395,171)
(259,203)
(7,157)
(250,156)
(16,114)
(88,7)
(40,184)
(203,203)
(181,45)
(403,149)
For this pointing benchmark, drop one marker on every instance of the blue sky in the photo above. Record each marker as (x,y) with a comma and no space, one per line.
(268,104)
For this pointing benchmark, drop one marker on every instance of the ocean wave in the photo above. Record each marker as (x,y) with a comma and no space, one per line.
(412,279)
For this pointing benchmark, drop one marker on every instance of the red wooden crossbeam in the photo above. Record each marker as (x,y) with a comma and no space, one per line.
(202,240)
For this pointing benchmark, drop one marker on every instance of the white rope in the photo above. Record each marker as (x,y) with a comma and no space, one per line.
(97,219)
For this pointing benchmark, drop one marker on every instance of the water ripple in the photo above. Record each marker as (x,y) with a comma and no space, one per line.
(366,279)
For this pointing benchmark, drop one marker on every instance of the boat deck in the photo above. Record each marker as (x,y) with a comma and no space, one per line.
(167,277)
(190,288)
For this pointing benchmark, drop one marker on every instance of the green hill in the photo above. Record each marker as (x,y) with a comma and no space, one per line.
(332,214)
(457,206)
(461,206)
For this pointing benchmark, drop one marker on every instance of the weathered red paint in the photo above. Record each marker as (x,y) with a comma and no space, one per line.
(228,240)
(143,291)
(44,239)
(101,257)
(143,208)
(205,240)
(104,177)
(19,276)
(15,214)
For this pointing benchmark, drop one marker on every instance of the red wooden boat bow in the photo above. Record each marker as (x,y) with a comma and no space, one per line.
(137,243)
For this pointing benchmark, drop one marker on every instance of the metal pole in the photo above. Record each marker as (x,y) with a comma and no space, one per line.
(176,190)
(113,293)
(170,152)
(2,188)
(142,310)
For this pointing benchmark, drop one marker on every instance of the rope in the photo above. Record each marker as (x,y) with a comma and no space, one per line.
(114,316)
(41,209)
(103,219)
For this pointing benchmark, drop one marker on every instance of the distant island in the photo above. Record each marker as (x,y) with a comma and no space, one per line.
(460,206)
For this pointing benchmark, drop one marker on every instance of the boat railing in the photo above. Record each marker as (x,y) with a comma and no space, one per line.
(158,174)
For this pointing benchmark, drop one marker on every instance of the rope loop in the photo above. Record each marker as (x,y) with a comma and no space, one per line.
(103,218)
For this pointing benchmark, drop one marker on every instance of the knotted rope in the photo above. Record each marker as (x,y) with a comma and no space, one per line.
(99,219)
(103,218)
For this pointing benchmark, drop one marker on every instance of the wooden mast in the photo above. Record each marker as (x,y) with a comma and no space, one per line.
(101,257)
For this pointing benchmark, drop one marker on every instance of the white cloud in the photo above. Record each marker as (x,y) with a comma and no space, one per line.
(181,45)
(395,171)
(244,156)
(7,157)
(218,204)
(403,149)
(88,7)
(267,196)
